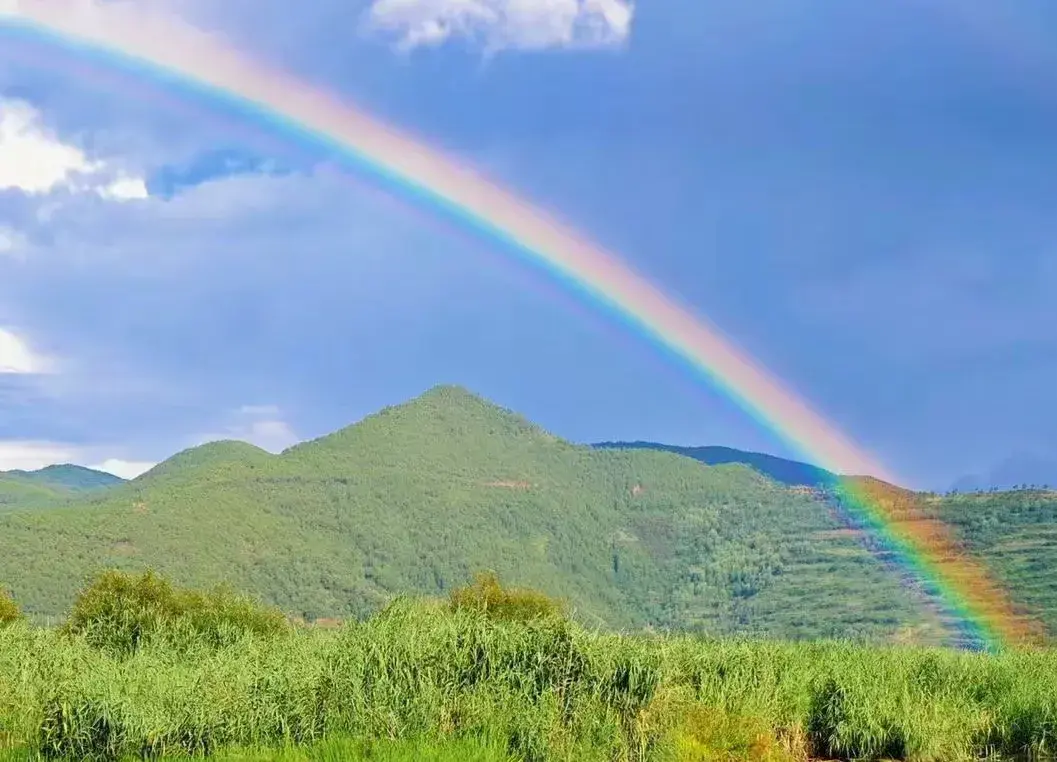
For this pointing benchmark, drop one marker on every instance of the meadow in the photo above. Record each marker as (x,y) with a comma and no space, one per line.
(143,670)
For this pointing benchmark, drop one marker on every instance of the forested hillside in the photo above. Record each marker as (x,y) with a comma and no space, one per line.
(789,472)
(419,496)
(1016,533)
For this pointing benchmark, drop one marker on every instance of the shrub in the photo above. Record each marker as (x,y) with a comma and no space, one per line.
(487,596)
(122,612)
(9,611)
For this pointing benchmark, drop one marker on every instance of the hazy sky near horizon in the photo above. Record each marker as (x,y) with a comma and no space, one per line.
(862,195)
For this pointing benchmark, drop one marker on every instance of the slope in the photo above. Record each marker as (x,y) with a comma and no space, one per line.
(790,472)
(1016,532)
(16,492)
(419,496)
(67,477)
(50,485)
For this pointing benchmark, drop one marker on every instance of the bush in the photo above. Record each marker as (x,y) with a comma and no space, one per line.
(9,611)
(122,612)
(487,596)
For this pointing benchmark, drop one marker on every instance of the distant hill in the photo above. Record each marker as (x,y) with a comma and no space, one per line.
(68,477)
(788,472)
(417,497)
(50,485)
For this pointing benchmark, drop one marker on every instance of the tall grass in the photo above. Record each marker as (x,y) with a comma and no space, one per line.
(122,612)
(451,680)
(9,610)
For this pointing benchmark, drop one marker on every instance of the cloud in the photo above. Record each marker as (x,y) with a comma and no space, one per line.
(17,358)
(30,456)
(260,425)
(125,189)
(126,469)
(30,159)
(35,161)
(33,455)
(12,243)
(505,24)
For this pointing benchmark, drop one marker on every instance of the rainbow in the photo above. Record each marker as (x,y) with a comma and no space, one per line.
(175,56)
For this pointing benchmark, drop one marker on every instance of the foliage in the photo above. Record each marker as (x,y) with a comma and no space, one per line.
(9,610)
(122,612)
(19,493)
(51,485)
(1016,532)
(446,681)
(789,472)
(414,499)
(67,477)
(491,599)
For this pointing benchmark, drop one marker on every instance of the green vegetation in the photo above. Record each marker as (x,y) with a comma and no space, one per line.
(1016,532)
(25,489)
(68,477)
(123,612)
(486,596)
(9,610)
(789,472)
(338,750)
(426,679)
(16,492)
(414,499)
(418,497)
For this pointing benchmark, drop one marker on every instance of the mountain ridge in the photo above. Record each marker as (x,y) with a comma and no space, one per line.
(67,475)
(789,472)
(417,497)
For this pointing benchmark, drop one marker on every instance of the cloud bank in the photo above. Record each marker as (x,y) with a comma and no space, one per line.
(505,24)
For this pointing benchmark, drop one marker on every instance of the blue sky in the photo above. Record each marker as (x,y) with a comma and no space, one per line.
(860,194)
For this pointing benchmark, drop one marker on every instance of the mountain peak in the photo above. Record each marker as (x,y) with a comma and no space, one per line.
(449,392)
(442,420)
(209,454)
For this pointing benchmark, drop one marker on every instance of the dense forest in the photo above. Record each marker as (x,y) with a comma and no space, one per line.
(417,497)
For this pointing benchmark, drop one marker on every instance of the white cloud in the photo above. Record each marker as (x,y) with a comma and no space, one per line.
(125,189)
(31,160)
(126,469)
(17,358)
(37,162)
(29,456)
(260,425)
(503,24)
(12,243)
(33,455)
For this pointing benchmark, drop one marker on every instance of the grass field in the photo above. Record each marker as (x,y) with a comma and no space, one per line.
(449,680)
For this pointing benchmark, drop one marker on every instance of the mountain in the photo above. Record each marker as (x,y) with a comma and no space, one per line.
(18,492)
(419,496)
(67,477)
(49,485)
(788,472)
